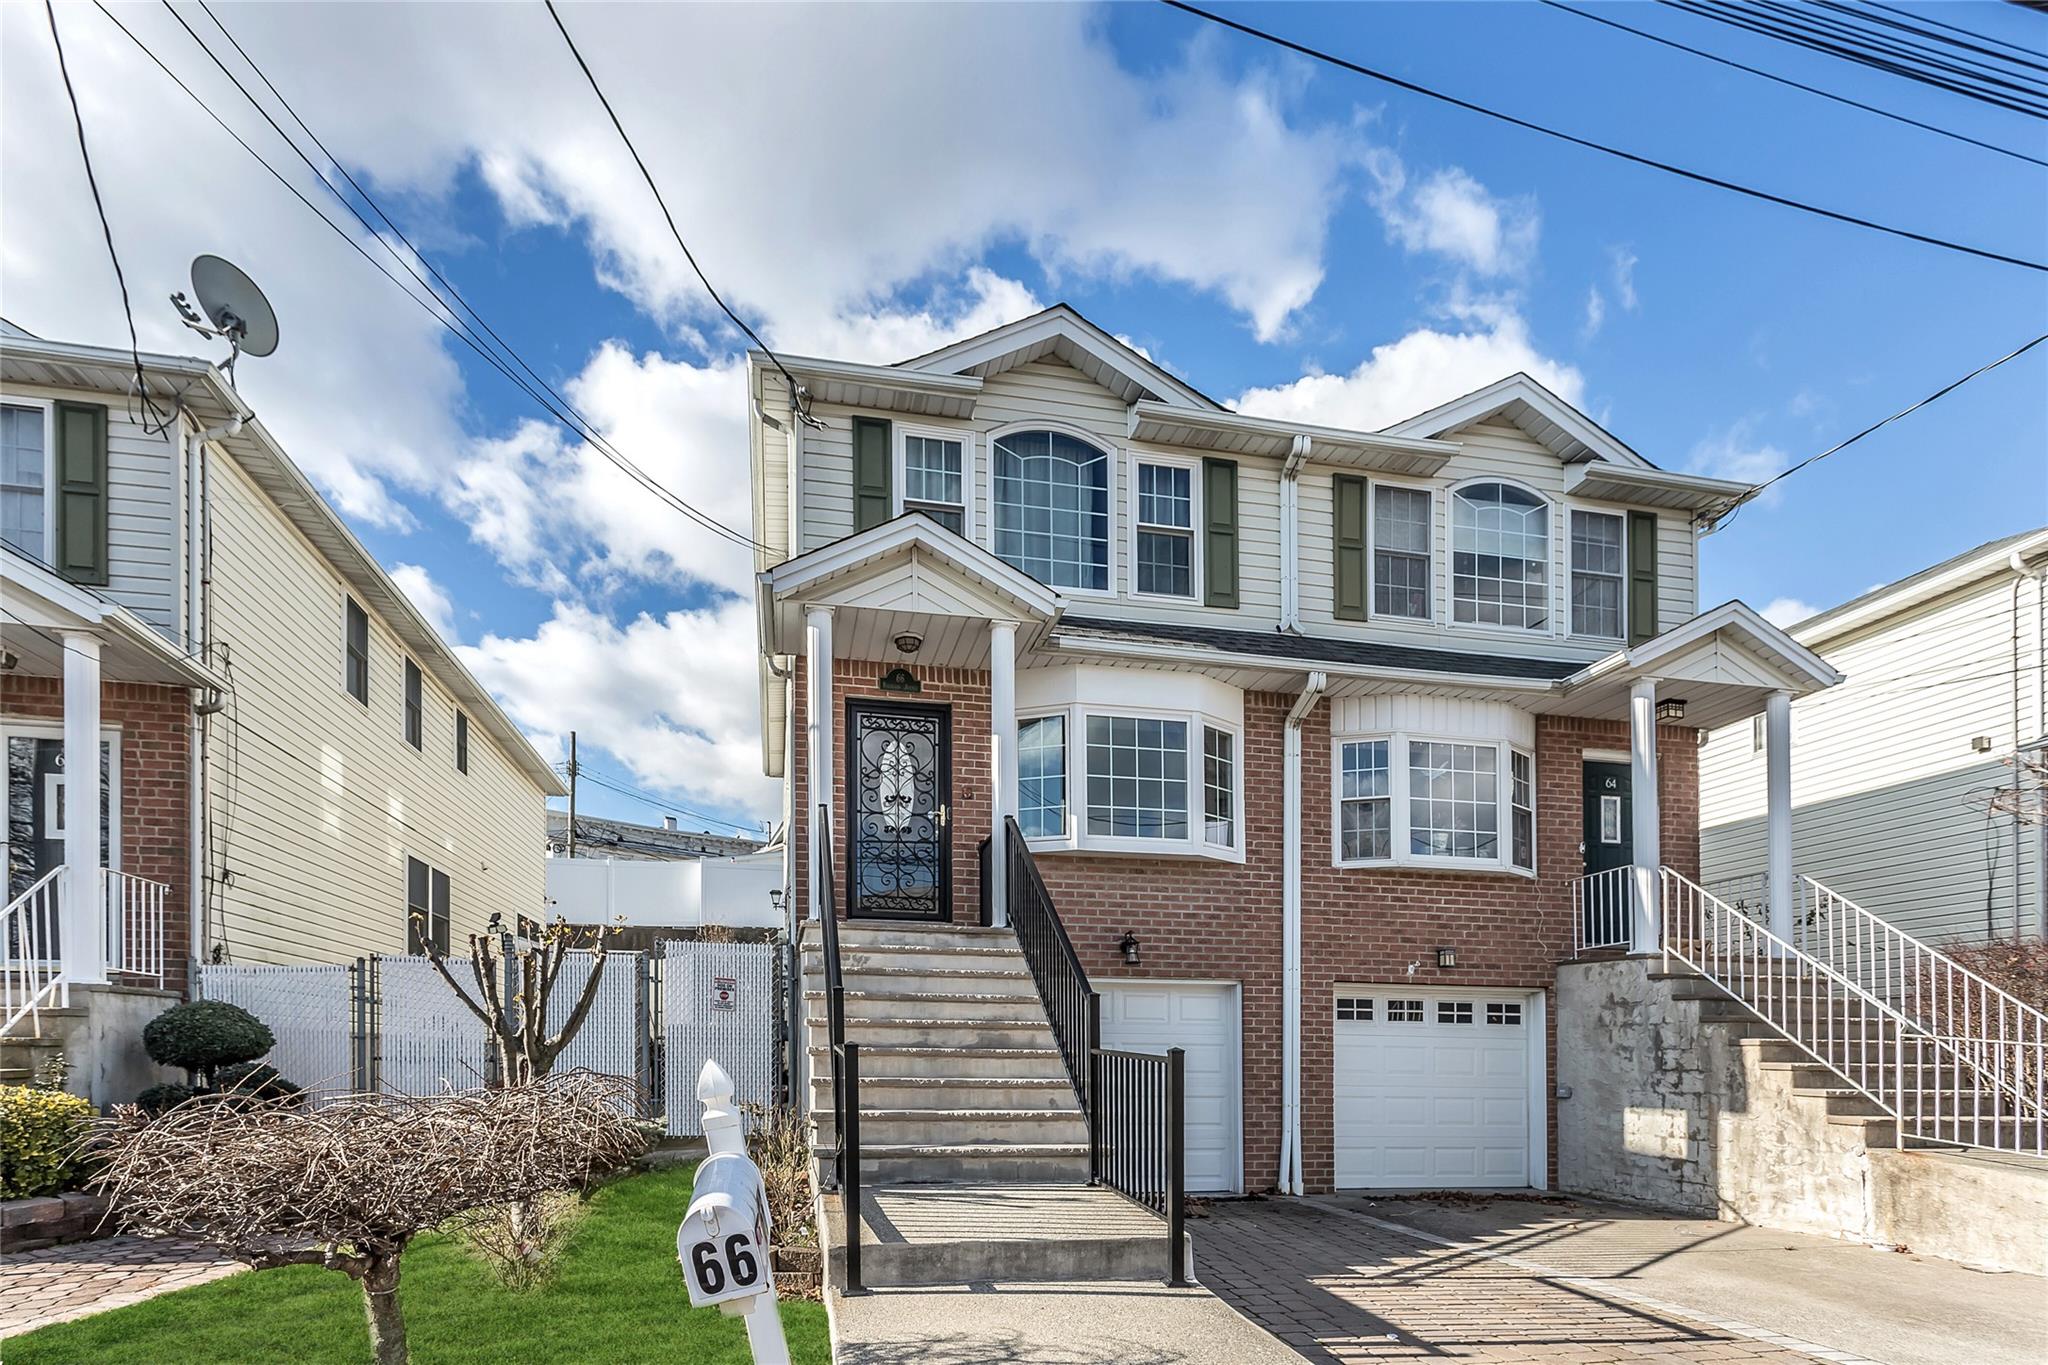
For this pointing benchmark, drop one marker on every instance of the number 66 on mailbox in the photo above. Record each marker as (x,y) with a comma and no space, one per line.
(723,1242)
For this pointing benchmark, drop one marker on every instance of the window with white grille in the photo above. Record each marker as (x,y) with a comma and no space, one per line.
(1165,550)
(935,480)
(1500,557)
(1597,574)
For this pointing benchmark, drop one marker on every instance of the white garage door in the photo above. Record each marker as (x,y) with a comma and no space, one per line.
(1201,1020)
(1431,1087)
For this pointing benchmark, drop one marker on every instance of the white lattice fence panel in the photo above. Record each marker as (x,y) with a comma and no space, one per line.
(429,1041)
(718,1000)
(611,1038)
(309,1010)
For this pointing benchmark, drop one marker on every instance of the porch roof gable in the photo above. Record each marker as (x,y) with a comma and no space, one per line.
(41,602)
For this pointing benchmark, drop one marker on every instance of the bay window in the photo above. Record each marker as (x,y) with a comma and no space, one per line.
(1051,509)
(1156,783)
(1042,777)
(1137,777)
(1500,557)
(1423,801)
(1597,574)
(1219,786)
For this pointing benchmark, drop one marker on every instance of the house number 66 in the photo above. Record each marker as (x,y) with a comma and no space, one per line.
(738,1264)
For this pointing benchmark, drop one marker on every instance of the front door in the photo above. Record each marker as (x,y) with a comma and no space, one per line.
(1610,831)
(899,777)
(33,832)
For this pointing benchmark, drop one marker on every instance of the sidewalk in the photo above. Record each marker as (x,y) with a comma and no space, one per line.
(1047,1324)
(56,1284)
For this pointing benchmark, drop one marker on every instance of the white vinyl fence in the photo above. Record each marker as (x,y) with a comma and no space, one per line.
(312,1011)
(718,1000)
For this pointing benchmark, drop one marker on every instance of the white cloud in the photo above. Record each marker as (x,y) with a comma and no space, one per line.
(1788,611)
(1596,312)
(675,698)
(1452,214)
(427,595)
(1413,374)
(1624,263)
(1737,454)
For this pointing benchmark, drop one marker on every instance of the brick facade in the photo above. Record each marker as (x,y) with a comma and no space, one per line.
(156,792)
(1205,920)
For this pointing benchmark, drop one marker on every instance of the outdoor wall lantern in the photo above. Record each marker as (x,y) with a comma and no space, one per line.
(1447,957)
(1671,712)
(775,898)
(1128,946)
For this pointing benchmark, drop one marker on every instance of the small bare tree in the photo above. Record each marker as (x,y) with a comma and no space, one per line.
(349,1185)
(528,966)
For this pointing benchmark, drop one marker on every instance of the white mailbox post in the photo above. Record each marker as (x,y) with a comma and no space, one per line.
(723,1242)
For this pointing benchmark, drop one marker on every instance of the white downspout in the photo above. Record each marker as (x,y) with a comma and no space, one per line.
(2022,572)
(198,639)
(1290,933)
(1290,536)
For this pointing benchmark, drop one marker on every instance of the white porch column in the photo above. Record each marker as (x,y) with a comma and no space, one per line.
(1649,854)
(1002,761)
(817,741)
(83,920)
(1778,809)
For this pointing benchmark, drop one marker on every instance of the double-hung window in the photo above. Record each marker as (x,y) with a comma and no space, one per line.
(356,648)
(1424,801)
(415,707)
(1165,537)
(24,479)
(461,742)
(426,907)
(1597,569)
(1400,552)
(935,479)
(1500,557)
(1051,508)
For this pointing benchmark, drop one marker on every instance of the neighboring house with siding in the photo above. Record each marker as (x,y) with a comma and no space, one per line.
(294,763)
(1946,677)
(1311,739)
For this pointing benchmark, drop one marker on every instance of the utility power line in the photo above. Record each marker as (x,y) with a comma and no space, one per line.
(1783,201)
(431,304)
(624,788)
(796,390)
(1716,57)
(1957,28)
(1941,392)
(156,421)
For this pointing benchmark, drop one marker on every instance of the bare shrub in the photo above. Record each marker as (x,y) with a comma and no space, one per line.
(348,1186)
(780,1146)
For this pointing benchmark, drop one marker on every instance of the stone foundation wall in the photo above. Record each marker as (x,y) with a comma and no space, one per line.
(53,1219)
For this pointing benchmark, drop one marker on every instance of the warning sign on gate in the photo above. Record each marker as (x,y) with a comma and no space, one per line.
(725,993)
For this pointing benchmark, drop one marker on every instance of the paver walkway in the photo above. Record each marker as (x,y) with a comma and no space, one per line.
(1341,1287)
(59,1283)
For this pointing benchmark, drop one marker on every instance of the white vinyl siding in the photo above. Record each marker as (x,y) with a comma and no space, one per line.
(1889,797)
(327,801)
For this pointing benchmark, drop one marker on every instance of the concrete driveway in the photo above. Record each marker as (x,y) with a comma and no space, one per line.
(1526,1280)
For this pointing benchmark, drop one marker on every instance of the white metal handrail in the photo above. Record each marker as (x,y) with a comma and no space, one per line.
(1928,1087)
(30,978)
(135,924)
(1601,910)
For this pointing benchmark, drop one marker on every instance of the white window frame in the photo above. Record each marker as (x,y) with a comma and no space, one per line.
(48,408)
(1437,532)
(1399,832)
(1555,626)
(1196,845)
(970,481)
(1134,458)
(1066,834)
(1573,511)
(405,896)
(1113,460)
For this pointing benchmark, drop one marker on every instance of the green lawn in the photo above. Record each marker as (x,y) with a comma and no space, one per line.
(617,1297)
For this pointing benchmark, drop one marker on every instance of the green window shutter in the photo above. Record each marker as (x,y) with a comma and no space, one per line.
(1348,532)
(1642,576)
(871,500)
(80,553)
(1219,544)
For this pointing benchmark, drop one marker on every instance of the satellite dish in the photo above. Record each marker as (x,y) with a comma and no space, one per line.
(234,305)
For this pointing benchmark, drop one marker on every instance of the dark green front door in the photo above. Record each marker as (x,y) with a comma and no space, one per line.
(1610,835)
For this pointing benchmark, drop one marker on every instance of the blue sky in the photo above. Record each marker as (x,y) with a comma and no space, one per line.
(1288,236)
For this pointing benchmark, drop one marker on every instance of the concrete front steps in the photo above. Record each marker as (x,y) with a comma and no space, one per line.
(27,1048)
(961,1080)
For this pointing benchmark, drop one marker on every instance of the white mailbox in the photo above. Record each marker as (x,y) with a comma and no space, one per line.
(723,1242)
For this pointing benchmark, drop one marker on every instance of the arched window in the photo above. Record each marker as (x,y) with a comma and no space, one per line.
(1500,557)
(1052,508)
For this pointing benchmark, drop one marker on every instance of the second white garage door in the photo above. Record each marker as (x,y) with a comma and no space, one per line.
(1432,1087)
(1200,1019)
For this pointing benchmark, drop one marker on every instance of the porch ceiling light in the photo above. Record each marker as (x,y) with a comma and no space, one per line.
(1671,712)
(1128,946)
(909,642)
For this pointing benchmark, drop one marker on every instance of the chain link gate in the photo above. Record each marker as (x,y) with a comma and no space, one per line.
(718,1000)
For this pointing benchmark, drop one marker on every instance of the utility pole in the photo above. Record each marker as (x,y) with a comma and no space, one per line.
(572,793)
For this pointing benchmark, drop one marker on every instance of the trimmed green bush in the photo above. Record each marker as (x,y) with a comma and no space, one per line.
(169,1095)
(258,1081)
(204,1036)
(40,1133)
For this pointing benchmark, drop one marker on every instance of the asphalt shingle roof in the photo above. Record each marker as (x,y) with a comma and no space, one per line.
(1317,649)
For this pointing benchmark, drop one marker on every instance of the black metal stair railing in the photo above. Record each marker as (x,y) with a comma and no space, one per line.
(845,1059)
(1135,1103)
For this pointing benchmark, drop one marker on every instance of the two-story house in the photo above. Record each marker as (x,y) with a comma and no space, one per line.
(1312,740)
(294,766)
